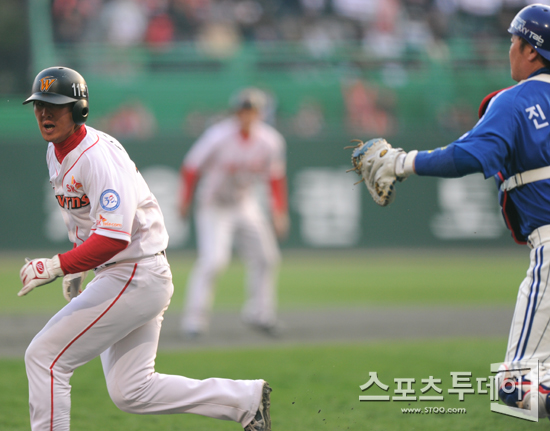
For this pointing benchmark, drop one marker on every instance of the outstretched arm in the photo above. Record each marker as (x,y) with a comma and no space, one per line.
(381,166)
(447,162)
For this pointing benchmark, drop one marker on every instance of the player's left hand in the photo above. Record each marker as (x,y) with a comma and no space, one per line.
(184,210)
(38,272)
(376,162)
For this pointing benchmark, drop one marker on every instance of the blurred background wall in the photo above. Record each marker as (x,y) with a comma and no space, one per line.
(161,71)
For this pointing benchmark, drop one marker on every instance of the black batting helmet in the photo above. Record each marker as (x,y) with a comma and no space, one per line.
(59,86)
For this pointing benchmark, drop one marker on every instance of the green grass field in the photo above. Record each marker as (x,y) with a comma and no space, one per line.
(339,278)
(315,387)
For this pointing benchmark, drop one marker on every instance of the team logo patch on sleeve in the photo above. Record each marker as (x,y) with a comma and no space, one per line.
(111,221)
(109,200)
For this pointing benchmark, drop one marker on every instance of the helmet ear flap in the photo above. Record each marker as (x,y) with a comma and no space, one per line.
(80,111)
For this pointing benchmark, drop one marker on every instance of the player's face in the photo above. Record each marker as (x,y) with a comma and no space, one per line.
(54,121)
(518,60)
(247,117)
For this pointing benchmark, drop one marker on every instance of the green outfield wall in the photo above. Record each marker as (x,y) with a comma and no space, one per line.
(157,103)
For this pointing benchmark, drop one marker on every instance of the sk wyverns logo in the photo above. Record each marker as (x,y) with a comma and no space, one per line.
(109,200)
(72,203)
(74,186)
(113,221)
(46,83)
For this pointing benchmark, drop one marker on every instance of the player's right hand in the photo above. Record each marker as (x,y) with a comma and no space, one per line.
(281,225)
(38,272)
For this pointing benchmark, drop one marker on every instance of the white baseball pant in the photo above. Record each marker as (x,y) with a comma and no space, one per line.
(119,317)
(529,338)
(217,229)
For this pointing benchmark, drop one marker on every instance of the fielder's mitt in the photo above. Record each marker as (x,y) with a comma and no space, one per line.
(374,161)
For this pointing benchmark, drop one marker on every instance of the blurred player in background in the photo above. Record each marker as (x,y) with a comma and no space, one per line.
(510,142)
(229,161)
(118,230)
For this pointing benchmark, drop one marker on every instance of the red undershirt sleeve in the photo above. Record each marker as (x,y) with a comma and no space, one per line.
(96,250)
(189,178)
(279,200)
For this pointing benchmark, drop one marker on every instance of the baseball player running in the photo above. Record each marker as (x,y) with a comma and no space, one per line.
(231,158)
(509,143)
(118,231)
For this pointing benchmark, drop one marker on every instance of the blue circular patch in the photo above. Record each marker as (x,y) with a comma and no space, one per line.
(109,200)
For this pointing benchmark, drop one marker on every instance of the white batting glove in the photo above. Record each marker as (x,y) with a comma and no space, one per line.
(72,285)
(37,272)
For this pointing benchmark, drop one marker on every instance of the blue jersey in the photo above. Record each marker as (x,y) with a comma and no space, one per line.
(513,137)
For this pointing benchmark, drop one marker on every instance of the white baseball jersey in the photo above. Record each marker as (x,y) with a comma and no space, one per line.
(230,165)
(92,188)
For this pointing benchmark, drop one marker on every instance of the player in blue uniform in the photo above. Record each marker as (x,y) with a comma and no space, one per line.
(510,142)
(513,137)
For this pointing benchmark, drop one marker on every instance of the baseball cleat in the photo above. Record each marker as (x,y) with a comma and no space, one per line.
(272,330)
(262,420)
(193,335)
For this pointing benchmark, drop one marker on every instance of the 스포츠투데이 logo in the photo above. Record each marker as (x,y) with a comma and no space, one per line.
(109,200)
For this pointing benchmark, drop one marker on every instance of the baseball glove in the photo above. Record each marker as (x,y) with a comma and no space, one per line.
(374,161)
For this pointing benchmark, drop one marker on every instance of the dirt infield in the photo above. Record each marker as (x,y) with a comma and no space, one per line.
(336,325)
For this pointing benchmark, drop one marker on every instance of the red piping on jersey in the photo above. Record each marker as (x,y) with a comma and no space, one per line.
(114,230)
(80,335)
(79,158)
(76,234)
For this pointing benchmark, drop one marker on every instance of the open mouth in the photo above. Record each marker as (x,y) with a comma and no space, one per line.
(49,127)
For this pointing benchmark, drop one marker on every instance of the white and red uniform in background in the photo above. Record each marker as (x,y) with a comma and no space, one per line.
(118,228)
(230,165)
